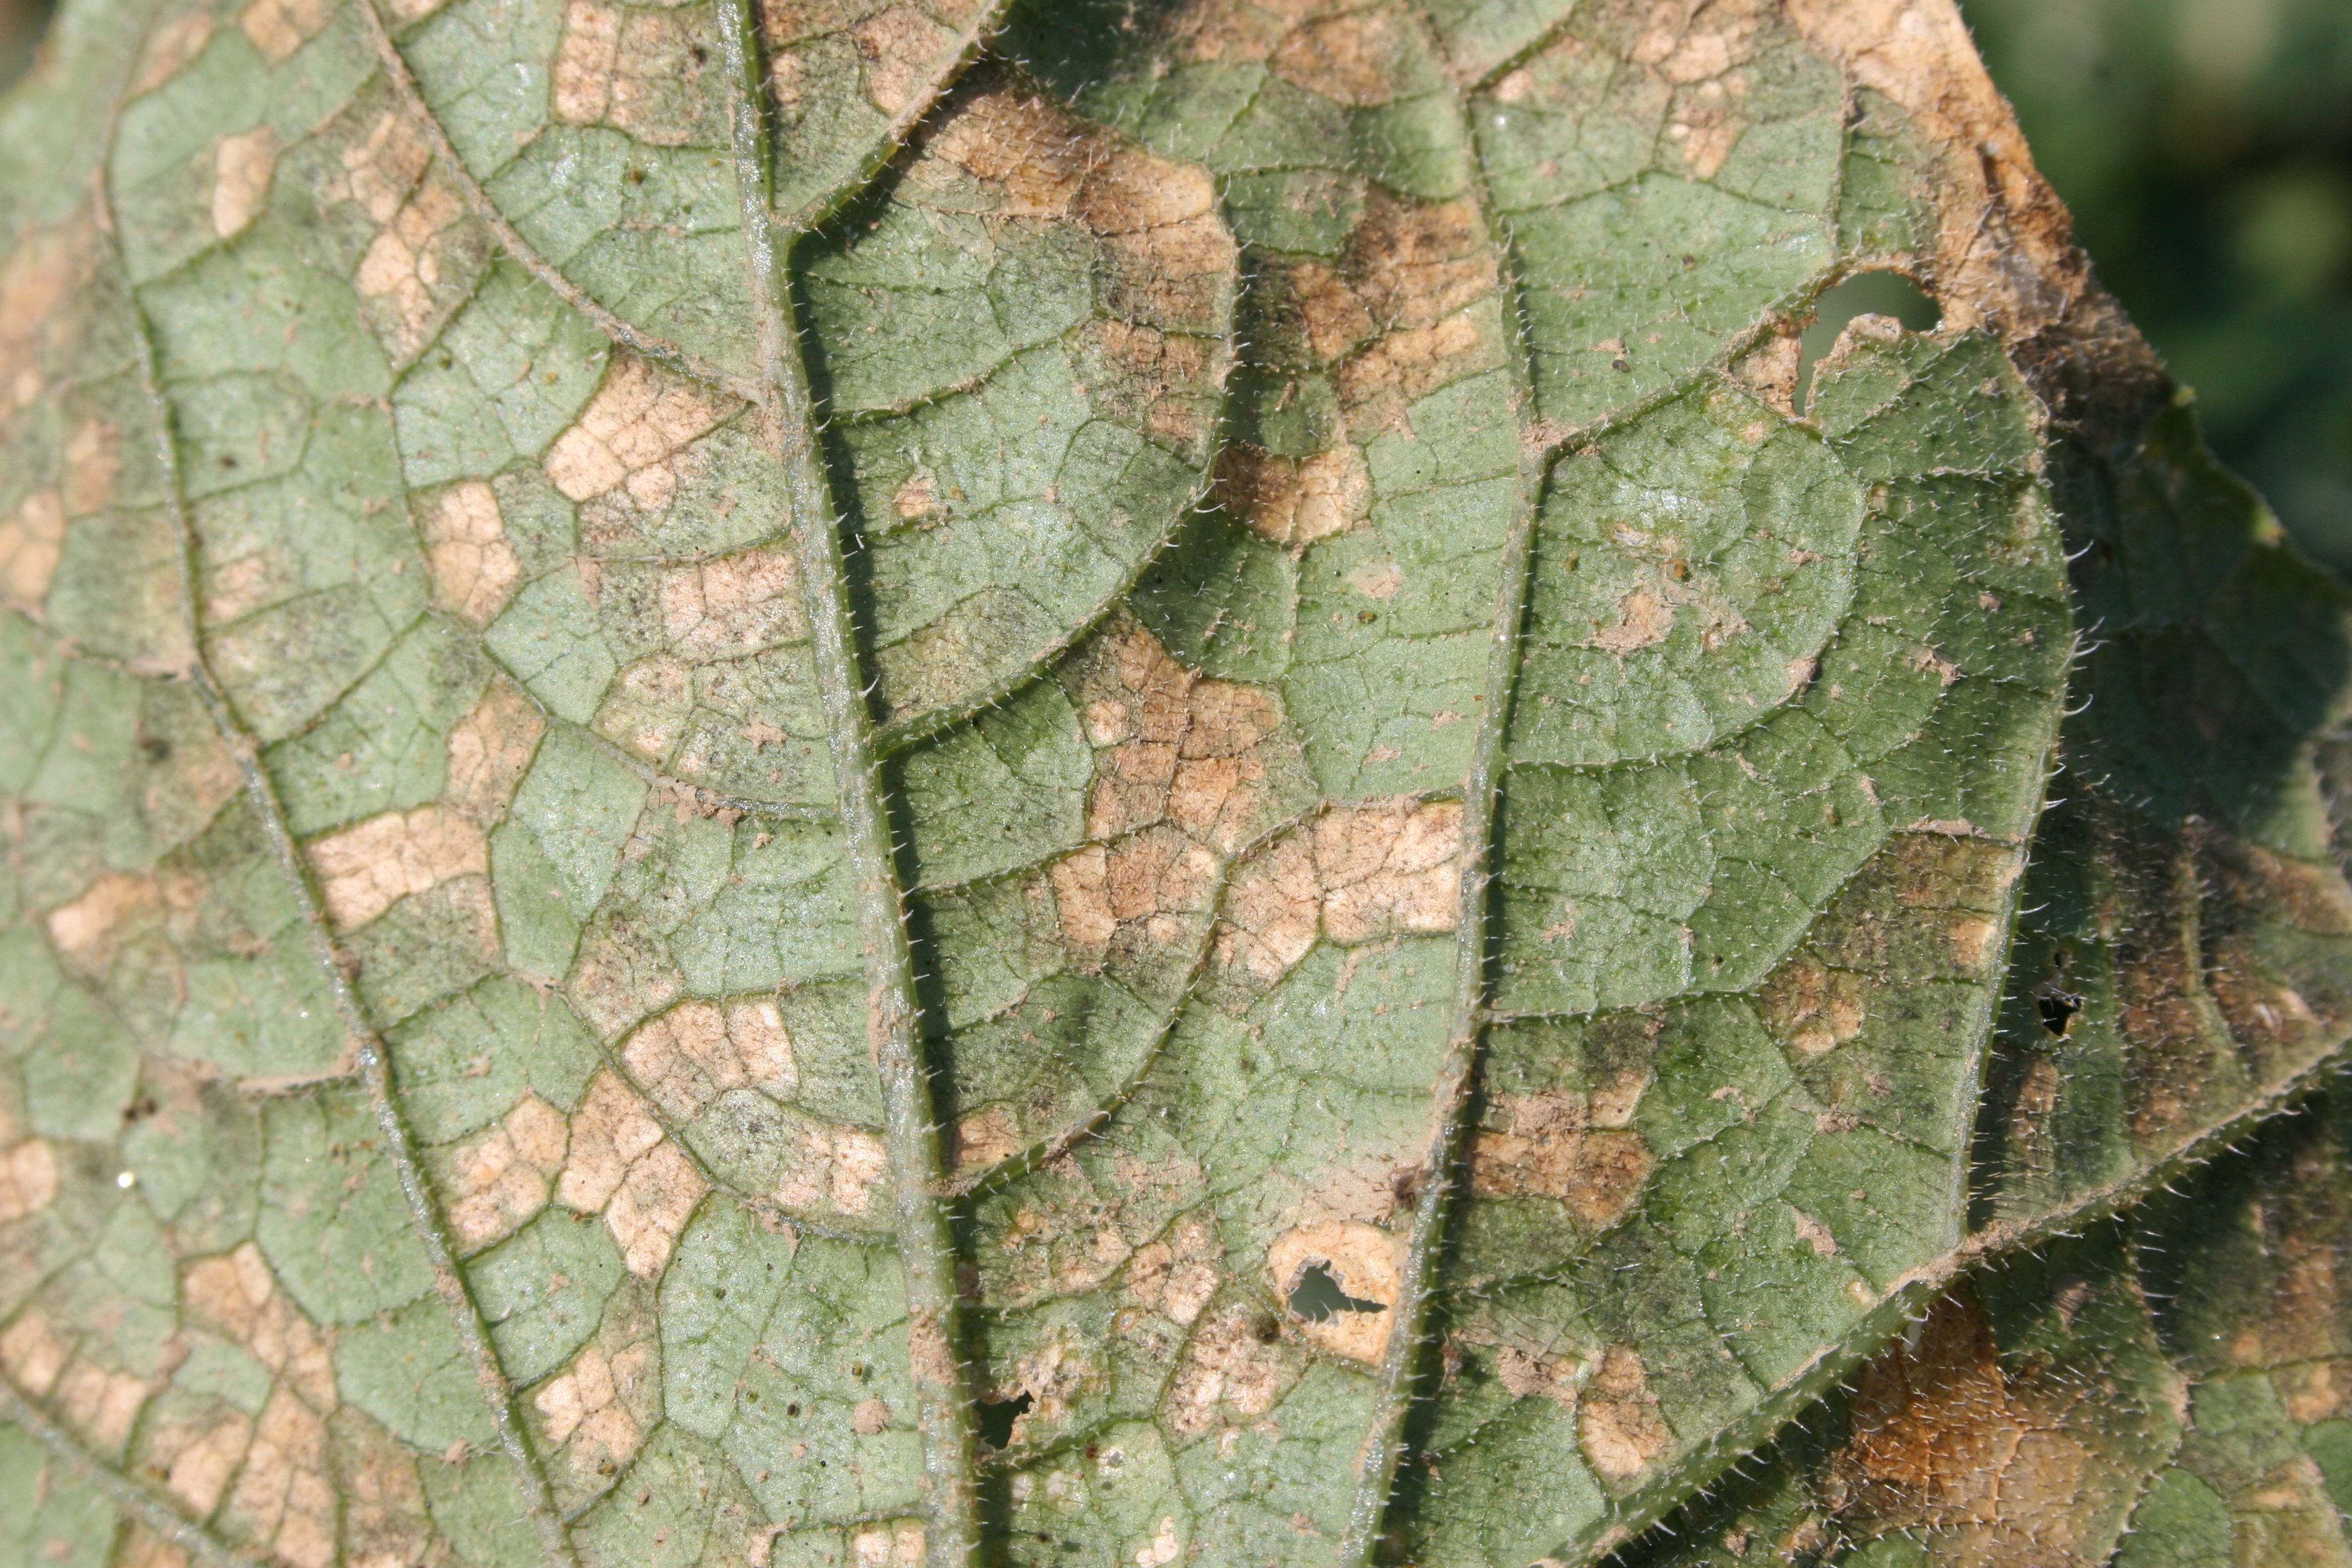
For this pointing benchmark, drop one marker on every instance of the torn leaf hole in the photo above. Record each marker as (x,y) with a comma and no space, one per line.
(997,1417)
(1316,1296)
(1864,294)
(2059,1010)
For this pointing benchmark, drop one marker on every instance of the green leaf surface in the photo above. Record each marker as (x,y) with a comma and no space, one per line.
(1103,784)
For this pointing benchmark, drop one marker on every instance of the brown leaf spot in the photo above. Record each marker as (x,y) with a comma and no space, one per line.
(2004,245)
(902,49)
(1362,1260)
(1618,1423)
(1231,1369)
(472,566)
(984,1137)
(366,869)
(1293,502)
(1526,1375)
(1378,383)
(1770,370)
(918,497)
(1814,1008)
(1943,1440)
(1354,57)
(1643,620)
(1545,1145)
(1146,375)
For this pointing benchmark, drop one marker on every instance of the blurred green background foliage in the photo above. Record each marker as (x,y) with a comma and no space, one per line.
(2205,147)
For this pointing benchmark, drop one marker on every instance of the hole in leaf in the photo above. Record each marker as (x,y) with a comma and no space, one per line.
(1318,1295)
(997,1417)
(2058,1009)
(1864,294)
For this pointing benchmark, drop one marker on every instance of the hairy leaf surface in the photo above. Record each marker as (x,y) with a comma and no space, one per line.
(1104,784)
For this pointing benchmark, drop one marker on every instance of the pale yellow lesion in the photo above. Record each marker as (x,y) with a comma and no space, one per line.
(423,252)
(633,439)
(1176,1277)
(467,555)
(830,1170)
(1353,875)
(495,1184)
(89,929)
(731,607)
(364,869)
(29,1173)
(1619,1424)
(170,47)
(279,28)
(42,1357)
(1186,772)
(489,750)
(621,1165)
(269,1478)
(38,278)
(596,1411)
(33,537)
(635,69)
(689,1056)
(32,542)
(242,168)
(1232,1374)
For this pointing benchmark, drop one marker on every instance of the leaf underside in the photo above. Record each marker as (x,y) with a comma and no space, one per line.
(1120,784)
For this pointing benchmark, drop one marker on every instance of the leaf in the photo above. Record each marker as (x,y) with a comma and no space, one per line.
(2162,1389)
(787,792)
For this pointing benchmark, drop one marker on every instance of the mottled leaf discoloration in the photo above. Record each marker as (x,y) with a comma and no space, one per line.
(925,785)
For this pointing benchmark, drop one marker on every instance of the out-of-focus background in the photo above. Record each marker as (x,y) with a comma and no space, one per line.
(2205,147)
